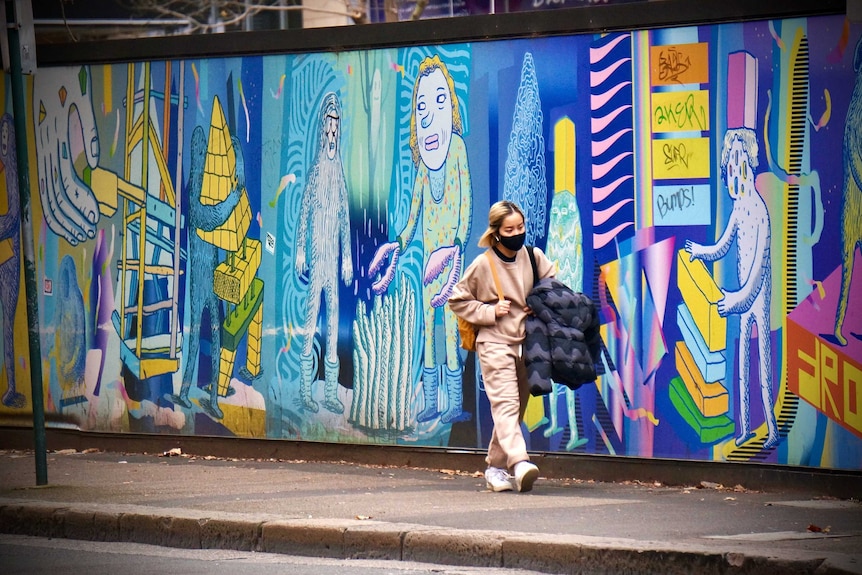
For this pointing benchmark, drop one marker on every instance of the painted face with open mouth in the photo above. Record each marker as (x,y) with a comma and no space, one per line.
(331,126)
(433,119)
(740,180)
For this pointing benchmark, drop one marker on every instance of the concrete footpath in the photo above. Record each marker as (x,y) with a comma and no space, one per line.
(345,510)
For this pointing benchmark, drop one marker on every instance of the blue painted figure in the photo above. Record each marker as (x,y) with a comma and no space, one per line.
(202,262)
(10,257)
(324,210)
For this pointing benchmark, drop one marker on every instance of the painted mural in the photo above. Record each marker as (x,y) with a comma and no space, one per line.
(263,246)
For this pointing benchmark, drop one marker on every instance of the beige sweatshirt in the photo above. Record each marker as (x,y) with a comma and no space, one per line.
(475,296)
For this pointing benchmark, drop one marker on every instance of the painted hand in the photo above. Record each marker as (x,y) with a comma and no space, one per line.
(436,264)
(726,304)
(694,250)
(65,129)
(380,258)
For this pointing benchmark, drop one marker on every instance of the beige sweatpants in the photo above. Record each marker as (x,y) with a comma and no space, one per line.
(505,377)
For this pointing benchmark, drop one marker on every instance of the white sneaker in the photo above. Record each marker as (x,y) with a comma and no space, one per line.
(497,479)
(526,474)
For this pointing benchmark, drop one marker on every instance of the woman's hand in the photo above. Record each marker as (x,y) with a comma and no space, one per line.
(502,308)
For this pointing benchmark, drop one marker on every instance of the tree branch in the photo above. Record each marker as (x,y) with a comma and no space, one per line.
(418,9)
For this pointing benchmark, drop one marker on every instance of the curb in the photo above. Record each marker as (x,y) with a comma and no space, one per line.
(369,539)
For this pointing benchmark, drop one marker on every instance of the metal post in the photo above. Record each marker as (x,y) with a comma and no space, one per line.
(282,16)
(20,113)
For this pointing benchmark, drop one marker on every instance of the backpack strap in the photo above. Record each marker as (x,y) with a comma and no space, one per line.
(533,263)
(494,273)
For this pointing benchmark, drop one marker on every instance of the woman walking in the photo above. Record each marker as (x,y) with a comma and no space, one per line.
(500,319)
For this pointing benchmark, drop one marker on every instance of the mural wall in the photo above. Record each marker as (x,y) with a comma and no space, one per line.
(263,246)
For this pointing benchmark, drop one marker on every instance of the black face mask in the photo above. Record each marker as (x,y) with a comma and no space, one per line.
(513,243)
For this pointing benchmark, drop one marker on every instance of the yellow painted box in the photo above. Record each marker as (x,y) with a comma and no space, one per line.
(701,294)
(711,399)
(234,275)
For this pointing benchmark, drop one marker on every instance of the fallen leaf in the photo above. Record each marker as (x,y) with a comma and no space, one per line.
(814,528)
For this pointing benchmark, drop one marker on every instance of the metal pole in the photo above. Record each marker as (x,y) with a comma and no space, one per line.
(20,113)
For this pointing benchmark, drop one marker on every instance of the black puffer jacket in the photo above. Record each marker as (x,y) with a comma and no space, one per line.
(563,343)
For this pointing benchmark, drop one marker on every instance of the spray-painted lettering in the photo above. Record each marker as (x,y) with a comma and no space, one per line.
(684,114)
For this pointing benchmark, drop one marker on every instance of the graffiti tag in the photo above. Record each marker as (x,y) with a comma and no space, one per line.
(672,64)
(681,205)
(683,114)
(676,156)
(680,200)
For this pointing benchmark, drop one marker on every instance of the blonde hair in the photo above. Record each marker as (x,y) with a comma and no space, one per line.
(748,139)
(498,212)
(427,66)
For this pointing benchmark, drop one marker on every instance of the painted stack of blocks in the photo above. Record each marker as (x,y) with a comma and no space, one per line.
(235,279)
(699,393)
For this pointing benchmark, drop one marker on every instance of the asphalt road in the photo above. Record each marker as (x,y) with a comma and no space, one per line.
(21,555)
